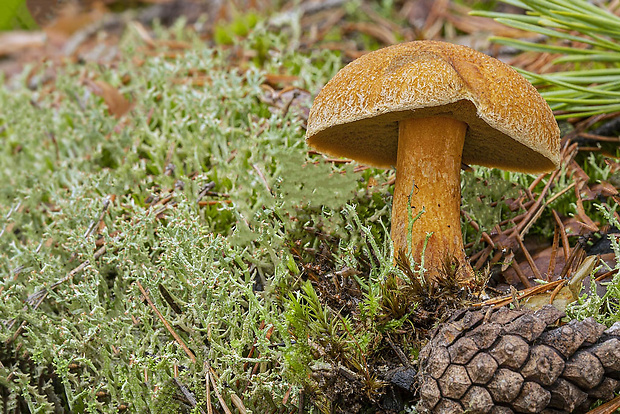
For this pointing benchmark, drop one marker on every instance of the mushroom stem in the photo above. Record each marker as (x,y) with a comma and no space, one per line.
(428,171)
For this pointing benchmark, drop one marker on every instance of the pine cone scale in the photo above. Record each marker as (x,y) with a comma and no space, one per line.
(504,361)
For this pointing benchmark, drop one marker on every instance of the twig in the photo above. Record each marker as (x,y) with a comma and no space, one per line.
(238,403)
(203,203)
(104,210)
(520,274)
(217,392)
(169,167)
(609,407)
(188,394)
(596,137)
(399,352)
(287,394)
(287,106)
(208,381)
(496,257)
(8,216)
(530,217)
(256,365)
(476,255)
(585,220)
(476,227)
(559,194)
(529,259)
(556,291)
(81,267)
(302,402)
(530,189)
(606,275)
(577,251)
(554,252)
(565,244)
(521,294)
(253,348)
(180,341)
(483,257)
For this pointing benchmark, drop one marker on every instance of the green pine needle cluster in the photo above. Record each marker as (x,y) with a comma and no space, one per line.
(584,39)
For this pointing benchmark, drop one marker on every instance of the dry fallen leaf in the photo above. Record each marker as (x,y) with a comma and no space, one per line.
(72,19)
(117,104)
(18,41)
(561,299)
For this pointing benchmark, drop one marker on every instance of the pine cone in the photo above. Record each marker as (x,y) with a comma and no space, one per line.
(512,361)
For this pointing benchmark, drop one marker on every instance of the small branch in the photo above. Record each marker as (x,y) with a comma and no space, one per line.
(212,377)
(565,244)
(95,223)
(520,274)
(520,295)
(585,220)
(556,291)
(529,259)
(399,352)
(609,407)
(476,227)
(554,252)
(483,257)
(208,381)
(188,394)
(179,340)
(256,365)
(531,215)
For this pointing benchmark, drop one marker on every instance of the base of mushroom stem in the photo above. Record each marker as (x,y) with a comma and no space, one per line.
(452,272)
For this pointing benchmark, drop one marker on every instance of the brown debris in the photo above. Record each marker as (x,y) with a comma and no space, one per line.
(117,104)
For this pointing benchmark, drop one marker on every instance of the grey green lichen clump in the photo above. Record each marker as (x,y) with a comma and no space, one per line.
(76,179)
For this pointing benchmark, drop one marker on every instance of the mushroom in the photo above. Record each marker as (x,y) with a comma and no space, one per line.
(426,107)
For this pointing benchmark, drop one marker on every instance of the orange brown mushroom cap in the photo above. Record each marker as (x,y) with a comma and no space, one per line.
(413,105)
